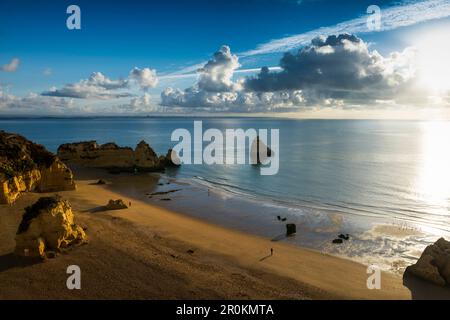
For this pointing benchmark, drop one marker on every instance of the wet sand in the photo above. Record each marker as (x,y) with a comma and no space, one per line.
(148,252)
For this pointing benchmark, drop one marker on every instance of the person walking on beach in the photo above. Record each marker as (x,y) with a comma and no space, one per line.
(129,204)
(271,251)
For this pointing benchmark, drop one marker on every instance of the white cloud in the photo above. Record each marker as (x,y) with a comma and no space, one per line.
(11,66)
(338,67)
(146,78)
(33,103)
(334,71)
(97,86)
(231,101)
(215,90)
(37,104)
(216,74)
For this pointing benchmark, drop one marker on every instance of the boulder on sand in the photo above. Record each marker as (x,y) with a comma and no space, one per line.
(47,225)
(434,264)
(116,205)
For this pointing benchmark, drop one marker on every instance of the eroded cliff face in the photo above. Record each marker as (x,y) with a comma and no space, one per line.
(47,226)
(111,156)
(26,166)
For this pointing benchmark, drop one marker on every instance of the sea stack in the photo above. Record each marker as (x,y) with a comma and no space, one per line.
(259,151)
(26,166)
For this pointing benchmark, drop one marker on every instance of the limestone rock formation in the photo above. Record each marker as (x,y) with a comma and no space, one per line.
(47,226)
(111,156)
(116,205)
(259,151)
(434,264)
(26,166)
(171,159)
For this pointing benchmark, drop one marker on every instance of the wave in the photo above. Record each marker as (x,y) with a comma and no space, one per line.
(434,223)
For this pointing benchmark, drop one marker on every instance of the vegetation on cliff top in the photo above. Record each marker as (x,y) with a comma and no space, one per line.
(18,155)
(32,211)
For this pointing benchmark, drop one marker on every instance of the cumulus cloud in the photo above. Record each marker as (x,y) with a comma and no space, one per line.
(216,90)
(330,71)
(142,104)
(146,78)
(97,86)
(33,102)
(11,66)
(216,74)
(231,101)
(338,67)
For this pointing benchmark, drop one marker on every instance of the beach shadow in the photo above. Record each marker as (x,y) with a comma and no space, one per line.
(423,290)
(266,257)
(10,261)
(96,209)
(279,237)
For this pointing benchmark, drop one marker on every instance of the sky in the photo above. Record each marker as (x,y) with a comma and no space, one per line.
(290,58)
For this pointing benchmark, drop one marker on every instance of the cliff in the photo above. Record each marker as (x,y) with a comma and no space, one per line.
(26,166)
(111,156)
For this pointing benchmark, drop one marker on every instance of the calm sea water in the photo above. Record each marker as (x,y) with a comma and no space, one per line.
(390,172)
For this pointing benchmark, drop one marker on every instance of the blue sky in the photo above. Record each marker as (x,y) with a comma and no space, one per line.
(168,37)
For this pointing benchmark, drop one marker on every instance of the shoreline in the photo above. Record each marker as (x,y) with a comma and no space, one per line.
(316,228)
(291,273)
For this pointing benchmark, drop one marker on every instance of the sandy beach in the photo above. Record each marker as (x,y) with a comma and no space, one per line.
(148,252)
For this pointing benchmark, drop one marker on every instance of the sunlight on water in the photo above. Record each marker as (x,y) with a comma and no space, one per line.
(433,182)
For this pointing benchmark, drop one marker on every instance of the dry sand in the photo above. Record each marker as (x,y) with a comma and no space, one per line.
(142,252)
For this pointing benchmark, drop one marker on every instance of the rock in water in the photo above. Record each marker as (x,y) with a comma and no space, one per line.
(434,264)
(259,151)
(344,236)
(47,225)
(100,182)
(171,159)
(26,166)
(116,205)
(112,157)
(291,228)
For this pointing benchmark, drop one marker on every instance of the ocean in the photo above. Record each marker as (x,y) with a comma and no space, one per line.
(386,183)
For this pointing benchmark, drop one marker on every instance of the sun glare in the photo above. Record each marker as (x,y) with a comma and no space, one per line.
(433,184)
(433,61)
